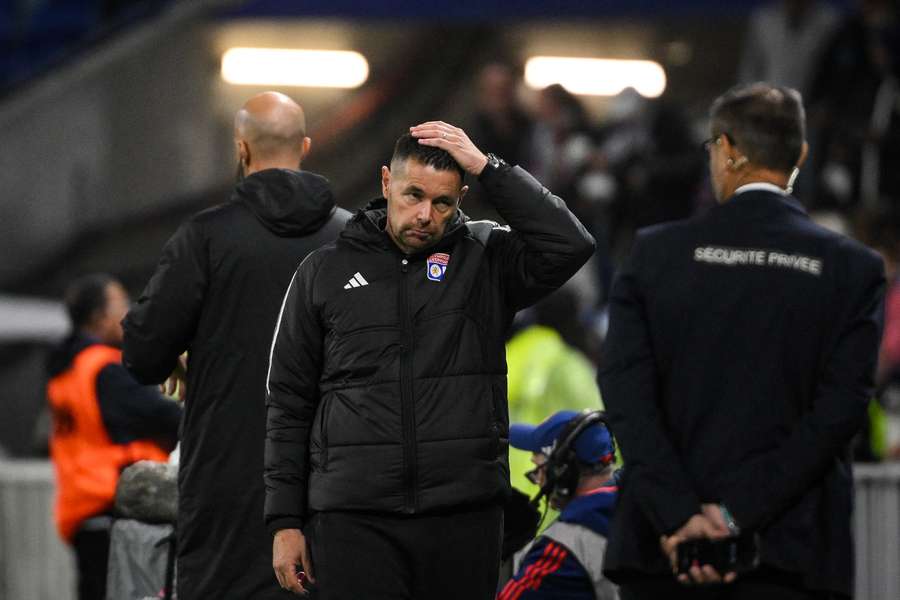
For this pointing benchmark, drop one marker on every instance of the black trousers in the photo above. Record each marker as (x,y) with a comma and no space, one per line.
(767,584)
(425,557)
(91,556)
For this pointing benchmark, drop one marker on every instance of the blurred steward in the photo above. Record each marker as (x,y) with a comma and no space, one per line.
(103,420)
(216,293)
(573,454)
(548,370)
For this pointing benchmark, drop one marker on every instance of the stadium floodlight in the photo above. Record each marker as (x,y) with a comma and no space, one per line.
(294,67)
(596,76)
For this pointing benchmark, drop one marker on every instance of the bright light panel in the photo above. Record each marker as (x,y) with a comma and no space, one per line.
(596,76)
(304,68)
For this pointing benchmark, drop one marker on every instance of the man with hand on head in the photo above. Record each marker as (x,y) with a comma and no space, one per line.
(386,450)
(738,366)
(216,293)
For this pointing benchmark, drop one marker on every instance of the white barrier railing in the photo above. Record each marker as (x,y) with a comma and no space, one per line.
(876,521)
(35,565)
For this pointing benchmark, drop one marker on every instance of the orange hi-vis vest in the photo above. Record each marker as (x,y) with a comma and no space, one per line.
(87,462)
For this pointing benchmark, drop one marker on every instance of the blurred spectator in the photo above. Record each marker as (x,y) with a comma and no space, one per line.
(658,166)
(560,143)
(785,41)
(565,152)
(217,291)
(103,420)
(881,438)
(662,178)
(500,124)
(596,198)
(573,455)
(832,220)
(855,129)
(548,370)
(881,232)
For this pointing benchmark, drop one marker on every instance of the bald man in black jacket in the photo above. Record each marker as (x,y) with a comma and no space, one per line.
(739,364)
(216,294)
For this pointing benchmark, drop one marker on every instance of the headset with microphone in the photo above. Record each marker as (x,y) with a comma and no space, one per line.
(789,188)
(563,467)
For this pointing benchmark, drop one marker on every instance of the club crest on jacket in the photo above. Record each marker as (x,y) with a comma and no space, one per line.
(436,266)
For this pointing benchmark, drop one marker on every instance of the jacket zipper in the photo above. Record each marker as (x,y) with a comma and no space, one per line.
(407,404)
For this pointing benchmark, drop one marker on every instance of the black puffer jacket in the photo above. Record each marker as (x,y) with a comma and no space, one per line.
(387,393)
(216,293)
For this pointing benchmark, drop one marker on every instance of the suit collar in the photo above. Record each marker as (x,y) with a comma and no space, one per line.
(760,201)
(760,186)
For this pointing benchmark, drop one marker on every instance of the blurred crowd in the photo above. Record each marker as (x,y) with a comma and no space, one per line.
(641,162)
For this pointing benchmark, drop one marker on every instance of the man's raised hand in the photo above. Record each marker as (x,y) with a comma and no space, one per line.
(454,140)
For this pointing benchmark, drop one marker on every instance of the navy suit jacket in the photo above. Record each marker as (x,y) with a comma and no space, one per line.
(738,366)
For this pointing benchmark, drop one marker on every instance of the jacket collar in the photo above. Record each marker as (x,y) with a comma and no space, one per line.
(62,356)
(593,509)
(760,186)
(367,227)
(287,202)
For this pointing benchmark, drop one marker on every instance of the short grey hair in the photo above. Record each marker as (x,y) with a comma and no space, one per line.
(765,122)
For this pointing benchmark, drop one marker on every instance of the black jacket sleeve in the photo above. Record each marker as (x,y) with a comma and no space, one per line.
(162,323)
(759,491)
(545,243)
(629,382)
(292,388)
(132,411)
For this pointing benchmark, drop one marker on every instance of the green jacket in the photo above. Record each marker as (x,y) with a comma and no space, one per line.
(545,375)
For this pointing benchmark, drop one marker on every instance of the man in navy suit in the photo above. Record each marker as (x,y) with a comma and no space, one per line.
(739,364)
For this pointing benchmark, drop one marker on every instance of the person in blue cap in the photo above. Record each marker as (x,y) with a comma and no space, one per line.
(573,453)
